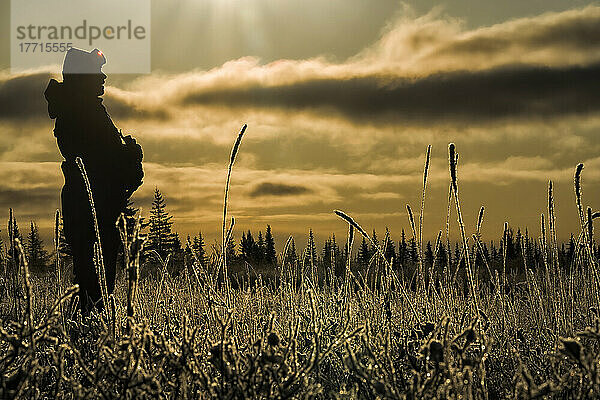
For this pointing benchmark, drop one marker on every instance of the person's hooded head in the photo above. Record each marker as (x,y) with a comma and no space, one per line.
(83,80)
(82,70)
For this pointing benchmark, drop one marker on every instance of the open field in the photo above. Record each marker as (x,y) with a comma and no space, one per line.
(472,329)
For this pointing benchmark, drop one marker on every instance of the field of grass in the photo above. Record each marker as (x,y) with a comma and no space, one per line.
(308,334)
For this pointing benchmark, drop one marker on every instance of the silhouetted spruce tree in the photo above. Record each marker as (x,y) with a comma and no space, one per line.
(517,258)
(363,255)
(331,257)
(198,246)
(247,247)
(270,254)
(339,257)
(449,258)
(457,252)
(510,245)
(292,256)
(260,249)
(177,254)
(500,254)
(326,255)
(13,234)
(390,248)
(562,255)
(571,249)
(373,248)
(402,249)
(189,249)
(312,249)
(441,257)
(231,251)
(176,242)
(160,237)
(414,255)
(64,248)
(479,257)
(131,219)
(493,252)
(428,255)
(37,256)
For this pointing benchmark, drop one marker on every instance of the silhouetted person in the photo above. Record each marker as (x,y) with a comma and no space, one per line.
(84,129)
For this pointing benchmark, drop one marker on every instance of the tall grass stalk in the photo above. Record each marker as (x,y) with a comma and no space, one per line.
(57,265)
(15,260)
(552,227)
(234,151)
(577,187)
(431,273)
(554,262)
(425,174)
(98,258)
(453,158)
(28,293)
(411,221)
(448,266)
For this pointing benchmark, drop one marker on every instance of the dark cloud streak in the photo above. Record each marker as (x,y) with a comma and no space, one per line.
(278,189)
(516,91)
(22,96)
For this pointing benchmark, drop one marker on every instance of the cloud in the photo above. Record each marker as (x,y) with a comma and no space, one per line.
(22,96)
(422,68)
(468,96)
(382,196)
(278,189)
(434,42)
(125,105)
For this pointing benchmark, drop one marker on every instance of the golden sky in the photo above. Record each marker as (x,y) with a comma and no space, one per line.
(340,109)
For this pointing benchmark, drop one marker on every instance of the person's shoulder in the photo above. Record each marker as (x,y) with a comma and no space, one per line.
(53,95)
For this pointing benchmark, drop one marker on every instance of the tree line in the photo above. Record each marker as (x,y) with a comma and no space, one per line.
(512,252)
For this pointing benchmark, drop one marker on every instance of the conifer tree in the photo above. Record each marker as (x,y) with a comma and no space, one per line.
(571,249)
(177,243)
(457,253)
(312,249)
(402,249)
(414,255)
(160,237)
(13,235)
(494,253)
(338,257)
(292,256)
(231,251)
(64,248)
(373,249)
(248,247)
(441,256)
(326,254)
(364,254)
(260,249)
(198,246)
(270,254)
(428,255)
(37,256)
(390,248)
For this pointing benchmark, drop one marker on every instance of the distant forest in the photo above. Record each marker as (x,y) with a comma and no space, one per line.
(256,251)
